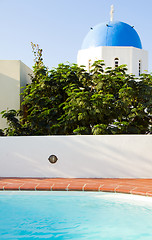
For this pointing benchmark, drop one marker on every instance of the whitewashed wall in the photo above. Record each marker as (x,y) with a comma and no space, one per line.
(126,55)
(13,75)
(119,156)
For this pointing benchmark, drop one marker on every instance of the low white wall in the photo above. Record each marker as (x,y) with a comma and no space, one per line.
(119,156)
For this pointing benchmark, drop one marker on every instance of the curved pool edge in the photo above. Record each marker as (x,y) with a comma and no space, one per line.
(130,186)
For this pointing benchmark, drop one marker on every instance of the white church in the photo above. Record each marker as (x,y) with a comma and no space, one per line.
(116,43)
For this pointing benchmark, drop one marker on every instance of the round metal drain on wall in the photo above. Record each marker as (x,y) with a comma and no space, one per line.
(52,159)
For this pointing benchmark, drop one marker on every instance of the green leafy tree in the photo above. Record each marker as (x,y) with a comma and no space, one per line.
(69,100)
(43,99)
(1,132)
(117,103)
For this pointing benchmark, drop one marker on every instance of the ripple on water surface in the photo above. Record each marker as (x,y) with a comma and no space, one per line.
(75,215)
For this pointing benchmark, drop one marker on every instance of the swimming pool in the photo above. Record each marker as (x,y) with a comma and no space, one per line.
(74,215)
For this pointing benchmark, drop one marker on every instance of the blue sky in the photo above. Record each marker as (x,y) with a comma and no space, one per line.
(59,26)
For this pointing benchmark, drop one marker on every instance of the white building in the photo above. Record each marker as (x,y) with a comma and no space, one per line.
(14,75)
(116,43)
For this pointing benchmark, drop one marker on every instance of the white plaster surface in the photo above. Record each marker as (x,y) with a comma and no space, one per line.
(13,76)
(126,55)
(104,156)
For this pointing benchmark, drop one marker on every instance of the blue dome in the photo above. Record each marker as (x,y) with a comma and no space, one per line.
(112,34)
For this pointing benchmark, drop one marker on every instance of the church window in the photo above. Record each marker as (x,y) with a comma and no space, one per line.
(139,67)
(116,62)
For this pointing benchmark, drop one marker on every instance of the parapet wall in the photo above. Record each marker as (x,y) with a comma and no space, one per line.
(104,156)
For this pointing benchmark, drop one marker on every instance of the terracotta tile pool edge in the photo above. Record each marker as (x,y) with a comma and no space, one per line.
(141,187)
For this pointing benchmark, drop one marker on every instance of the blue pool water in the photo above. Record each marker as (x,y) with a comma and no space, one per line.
(74,215)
